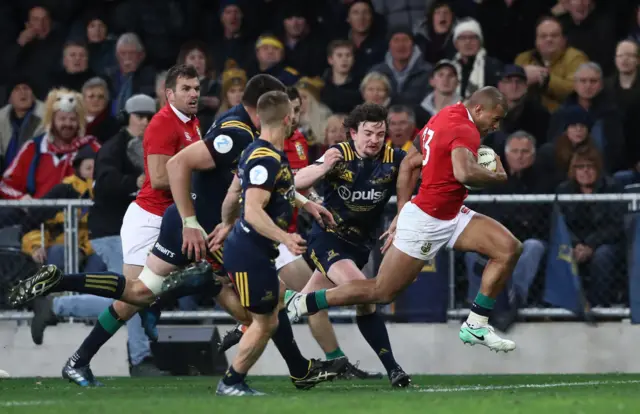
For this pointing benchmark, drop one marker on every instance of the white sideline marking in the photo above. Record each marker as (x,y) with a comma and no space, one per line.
(524,386)
(463,388)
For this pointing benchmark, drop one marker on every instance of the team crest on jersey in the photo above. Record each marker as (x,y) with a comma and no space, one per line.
(347,175)
(187,136)
(332,254)
(300,150)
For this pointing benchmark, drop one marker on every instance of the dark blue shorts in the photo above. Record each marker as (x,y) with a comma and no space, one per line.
(168,247)
(253,273)
(325,248)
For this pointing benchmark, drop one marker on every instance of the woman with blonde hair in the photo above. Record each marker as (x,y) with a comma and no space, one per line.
(313,113)
(234,81)
(376,88)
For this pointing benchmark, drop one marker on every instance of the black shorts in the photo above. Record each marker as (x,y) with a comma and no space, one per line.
(168,247)
(325,248)
(252,272)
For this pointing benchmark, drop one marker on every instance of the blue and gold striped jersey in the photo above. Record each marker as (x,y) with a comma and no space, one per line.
(264,166)
(357,189)
(225,140)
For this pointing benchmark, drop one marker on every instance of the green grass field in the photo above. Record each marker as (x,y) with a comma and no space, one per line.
(539,394)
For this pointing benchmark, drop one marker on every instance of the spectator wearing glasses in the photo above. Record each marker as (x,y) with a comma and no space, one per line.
(595,228)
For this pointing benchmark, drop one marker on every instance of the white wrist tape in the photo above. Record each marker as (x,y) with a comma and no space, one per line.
(152,281)
(301,199)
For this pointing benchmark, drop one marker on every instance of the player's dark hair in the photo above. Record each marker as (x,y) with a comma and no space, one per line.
(366,112)
(293,93)
(179,71)
(258,86)
(273,107)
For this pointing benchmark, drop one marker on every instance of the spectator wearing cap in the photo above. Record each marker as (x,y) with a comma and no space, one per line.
(119,175)
(36,51)
(556,155)
(340,92)
(434,34)
(270,60)
(75,67)
(607,130)
(100,123)
(313,113)
(231,48)
(131,76)
(400,12)
(403,65)
(475,68)
(551,65)
(304,49)
(196,54)
(584,19)
(524,112)
(444,81)
(370,45)
(234,82)
(20,120)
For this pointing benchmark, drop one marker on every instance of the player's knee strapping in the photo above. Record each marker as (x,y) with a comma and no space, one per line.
(151,280)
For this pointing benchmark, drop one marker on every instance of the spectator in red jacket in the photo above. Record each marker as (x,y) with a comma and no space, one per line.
(45,160)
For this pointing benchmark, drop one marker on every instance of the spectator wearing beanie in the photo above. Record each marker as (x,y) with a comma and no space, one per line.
(101,46)
(403,64)
(20,120)
(233,83)
(475,68)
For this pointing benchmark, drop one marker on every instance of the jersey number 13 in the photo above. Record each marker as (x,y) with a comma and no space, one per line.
(427,136)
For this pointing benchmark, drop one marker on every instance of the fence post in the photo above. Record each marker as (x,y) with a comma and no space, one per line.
(67,238)
(452,280)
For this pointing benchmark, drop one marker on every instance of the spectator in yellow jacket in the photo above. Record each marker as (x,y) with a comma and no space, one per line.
(551,65)
(79,185)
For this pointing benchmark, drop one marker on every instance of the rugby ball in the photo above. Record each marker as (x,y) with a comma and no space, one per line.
(486,158)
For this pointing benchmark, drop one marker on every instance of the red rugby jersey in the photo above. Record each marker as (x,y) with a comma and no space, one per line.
(297,151)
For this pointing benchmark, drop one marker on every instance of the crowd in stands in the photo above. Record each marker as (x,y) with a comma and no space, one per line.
(82,75)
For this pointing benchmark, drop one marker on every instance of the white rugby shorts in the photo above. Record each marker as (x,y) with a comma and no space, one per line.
(421,236)
(139,232)
(285,257)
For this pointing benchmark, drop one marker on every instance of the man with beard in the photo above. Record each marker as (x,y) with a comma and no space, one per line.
(48,158)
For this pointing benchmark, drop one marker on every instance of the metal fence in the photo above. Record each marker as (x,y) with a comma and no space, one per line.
(527,216)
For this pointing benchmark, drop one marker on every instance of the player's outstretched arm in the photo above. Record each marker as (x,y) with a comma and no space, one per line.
(408,175)
(308,176)
(255,201)
(195,157)
(468,172)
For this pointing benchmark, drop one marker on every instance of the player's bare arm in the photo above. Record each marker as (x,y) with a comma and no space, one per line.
(180,167)
(158,174)
(257,217)
(308,176)
(316,210)
(468,172)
